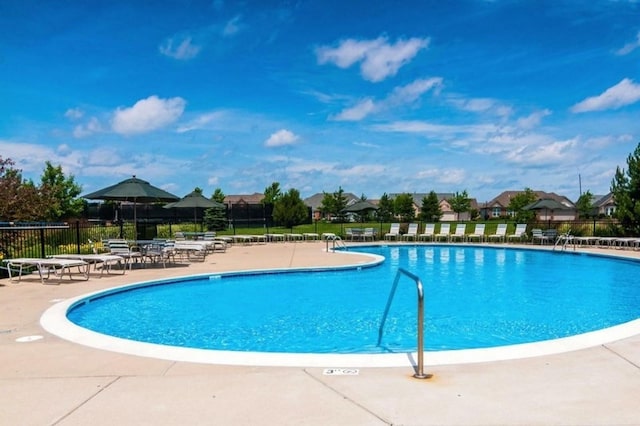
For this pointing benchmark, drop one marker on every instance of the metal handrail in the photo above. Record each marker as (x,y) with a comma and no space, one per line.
(335,239)
(420,349)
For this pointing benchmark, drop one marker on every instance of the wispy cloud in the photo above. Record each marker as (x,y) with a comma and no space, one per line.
(281,138)
(201,121)
(378,58)
(74,113)
(89,128)
(532,120)
(624,93)
(147,115)
(480,105)
(179,47)
(629,47)
(232,27)
(399,96)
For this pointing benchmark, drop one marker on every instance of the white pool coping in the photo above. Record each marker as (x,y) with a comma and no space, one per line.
(54,320)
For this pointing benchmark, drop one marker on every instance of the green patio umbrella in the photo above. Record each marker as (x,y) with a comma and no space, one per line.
(195,200)
(134,190)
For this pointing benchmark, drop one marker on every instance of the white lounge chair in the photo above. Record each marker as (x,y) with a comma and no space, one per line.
(394,232)
(429,232)
(121,248)
(46,266)
(520,233)
(460,234)
(477,234)
(106,261)
(444,233)
(501,233)
(412,232)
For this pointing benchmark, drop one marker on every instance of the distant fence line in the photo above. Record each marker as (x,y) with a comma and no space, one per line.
(42,239)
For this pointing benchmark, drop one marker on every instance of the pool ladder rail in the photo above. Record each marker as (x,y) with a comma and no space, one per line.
(564,240)
(419,374)
(336,242)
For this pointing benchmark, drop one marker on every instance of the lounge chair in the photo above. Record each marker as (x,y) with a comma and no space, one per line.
(460,234)
(368,235)
(477,234)
(538,235)
(412,232)
(394,232)
(520,233)
(121,248)
(106,261)
(501,233)
(444,233)
(429,232)
(45,266)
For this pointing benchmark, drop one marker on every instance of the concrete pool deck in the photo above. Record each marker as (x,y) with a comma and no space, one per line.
(52,381)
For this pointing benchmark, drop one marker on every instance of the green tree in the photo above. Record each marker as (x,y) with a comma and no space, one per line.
(218,195)
(21,200)
(430,210)
(584,205)
(62,192)
(385,208)
(271,194)
(518,203)
(334,204)
(289,210)
(460,203)
(403,207)
(625,188)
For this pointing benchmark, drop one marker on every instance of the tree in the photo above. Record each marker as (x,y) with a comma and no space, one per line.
(584,205)
(271,194)
(403,207)
(518,203)
(460,203)
(289,210)
(21,200)
(625,188)
(334,204)
(218,195)
(385,208)
(430,210)
(62,192)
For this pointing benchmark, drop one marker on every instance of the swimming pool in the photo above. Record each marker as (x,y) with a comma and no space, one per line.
(475,298)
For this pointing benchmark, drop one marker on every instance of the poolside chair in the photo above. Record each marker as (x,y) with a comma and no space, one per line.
(121,248)
(477,234)
(444,233)
(368,235)
(460,233)
(501,233)
(429,232)
(412,232)
(538,235)
(393,233)
(520,233)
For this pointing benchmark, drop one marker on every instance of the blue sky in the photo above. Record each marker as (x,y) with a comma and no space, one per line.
(372,96)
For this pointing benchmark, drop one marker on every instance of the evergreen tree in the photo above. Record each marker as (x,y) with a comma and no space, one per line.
(584,205)
(218,195)
(385,208)
(289,210)
(430,210)
(62,192)
(519,201)
(625,188)
(403,207)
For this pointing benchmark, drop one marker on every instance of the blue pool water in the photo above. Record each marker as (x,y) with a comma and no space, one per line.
(474,298)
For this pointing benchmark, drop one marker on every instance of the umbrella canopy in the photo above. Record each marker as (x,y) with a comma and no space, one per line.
(546,204)
(360,207)
(195,200)
(135,190)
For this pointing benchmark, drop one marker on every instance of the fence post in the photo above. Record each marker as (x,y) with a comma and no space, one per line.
(78,236)
(42,243)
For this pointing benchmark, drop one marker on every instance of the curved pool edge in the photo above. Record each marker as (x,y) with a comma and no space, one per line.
(54,321)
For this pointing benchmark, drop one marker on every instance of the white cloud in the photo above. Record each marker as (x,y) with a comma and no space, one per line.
(147,115)
(281,138)
(480,105)
(213,180)
(201,121)
(624,93)
(399,96)
(378,59)
(74,113)
(556,152)
(232,27)
(357,112)
(87,129)
(451,176)
(533,119)
(629,47)
(181,48)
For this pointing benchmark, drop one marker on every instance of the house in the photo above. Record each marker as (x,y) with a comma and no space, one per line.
(498,207)
(604,205)
(448,215)
(315,202)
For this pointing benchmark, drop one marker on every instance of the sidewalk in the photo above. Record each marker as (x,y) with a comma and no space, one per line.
(54,382)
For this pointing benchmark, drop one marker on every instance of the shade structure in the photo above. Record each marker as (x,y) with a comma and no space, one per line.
(134,190)
(546,204)
(195,200)
(360,207)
